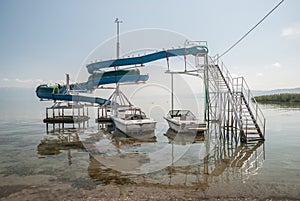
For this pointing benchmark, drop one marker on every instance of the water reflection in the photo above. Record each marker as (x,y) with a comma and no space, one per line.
(117,151)
(284,106)
(189,161)
(223,165)
(58,140)
(184,137)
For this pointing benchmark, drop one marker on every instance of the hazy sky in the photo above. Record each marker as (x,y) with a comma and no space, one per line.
(41,40)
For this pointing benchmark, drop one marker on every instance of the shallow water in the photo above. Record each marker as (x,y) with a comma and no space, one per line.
(92,163)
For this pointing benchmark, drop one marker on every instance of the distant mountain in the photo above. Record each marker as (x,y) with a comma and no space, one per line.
(9,93)
(276,91)
(14,93)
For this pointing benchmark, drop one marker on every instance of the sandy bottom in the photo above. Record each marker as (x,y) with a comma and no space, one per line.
(32,189)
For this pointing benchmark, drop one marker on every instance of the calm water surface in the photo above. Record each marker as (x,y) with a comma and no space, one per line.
(93,163)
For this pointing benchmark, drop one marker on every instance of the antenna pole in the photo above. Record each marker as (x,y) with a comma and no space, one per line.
(172,92)
(68,83)
(117,21)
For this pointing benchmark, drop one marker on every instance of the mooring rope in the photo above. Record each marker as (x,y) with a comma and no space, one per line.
(244,36)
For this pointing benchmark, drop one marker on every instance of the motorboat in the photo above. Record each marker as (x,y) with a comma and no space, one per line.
(133,122)
(184,121)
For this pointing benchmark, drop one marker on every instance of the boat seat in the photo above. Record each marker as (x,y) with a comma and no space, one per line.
(134,117)
(176,118)
(175,115)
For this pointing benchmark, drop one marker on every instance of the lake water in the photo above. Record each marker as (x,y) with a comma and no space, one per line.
(36,165)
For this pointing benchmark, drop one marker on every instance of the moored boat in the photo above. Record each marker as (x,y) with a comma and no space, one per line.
(184,121)
(133,122)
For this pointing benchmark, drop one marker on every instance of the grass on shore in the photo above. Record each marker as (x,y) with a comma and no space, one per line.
(278,98)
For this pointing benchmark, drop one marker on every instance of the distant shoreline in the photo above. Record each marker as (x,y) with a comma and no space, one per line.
(285,98)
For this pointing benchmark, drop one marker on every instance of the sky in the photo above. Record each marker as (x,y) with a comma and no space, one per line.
(42,40)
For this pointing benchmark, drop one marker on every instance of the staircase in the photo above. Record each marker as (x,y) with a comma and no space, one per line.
(231,103)
(252,118)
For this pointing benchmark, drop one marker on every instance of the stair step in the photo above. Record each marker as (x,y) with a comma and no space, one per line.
(249,119)
(250,128)
(255,139)
(247,115)
(249,125)
(252,133)
(246,110)
(249,122)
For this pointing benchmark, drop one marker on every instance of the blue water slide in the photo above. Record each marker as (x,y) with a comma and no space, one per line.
(95,82)
(48,93)
(69,97)
(146,58)
(96,79)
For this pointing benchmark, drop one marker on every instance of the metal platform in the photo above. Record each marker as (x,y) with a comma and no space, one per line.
(62,113)
(66,119)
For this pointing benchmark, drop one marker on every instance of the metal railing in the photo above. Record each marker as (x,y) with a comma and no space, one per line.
(236,86)
(218,69)
(241,86)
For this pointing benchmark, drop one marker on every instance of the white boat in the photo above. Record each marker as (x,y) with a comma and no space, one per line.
(133,122)
(184,121)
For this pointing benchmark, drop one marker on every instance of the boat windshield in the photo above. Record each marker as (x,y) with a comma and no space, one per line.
(131,113)
(183,114)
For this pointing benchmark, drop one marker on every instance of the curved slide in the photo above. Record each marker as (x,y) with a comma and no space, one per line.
(69,97)
(60,92)
(195,50)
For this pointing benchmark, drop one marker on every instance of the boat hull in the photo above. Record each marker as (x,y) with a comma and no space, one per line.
(186,126)
(143,128)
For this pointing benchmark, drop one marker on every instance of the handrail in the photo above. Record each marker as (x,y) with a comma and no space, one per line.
(243,87)
(239,85)
(229,80)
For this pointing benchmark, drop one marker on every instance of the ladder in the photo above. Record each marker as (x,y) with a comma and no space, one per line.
(230,102)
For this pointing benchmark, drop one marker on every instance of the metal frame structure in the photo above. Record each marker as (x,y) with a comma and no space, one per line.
(228,100)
